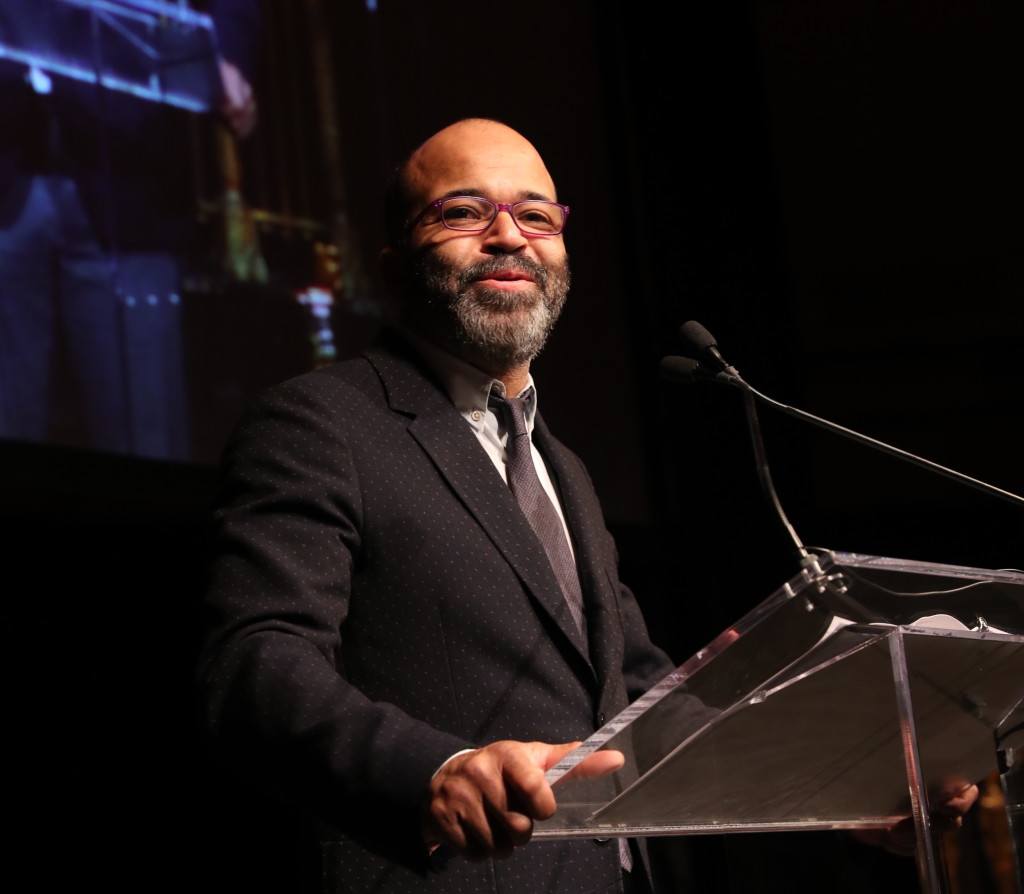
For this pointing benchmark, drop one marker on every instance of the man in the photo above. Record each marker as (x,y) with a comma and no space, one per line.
(415,609)
(410,569)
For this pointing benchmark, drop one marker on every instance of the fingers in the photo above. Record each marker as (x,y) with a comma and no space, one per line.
(957,804)
(540,800)
(950,813)
(947,815)
(600,763)
(483,803)
(549,755)
(524,777)
(494,824)
(468,805)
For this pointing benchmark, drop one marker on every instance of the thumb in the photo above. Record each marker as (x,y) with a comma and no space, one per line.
(552,754)
(600,763)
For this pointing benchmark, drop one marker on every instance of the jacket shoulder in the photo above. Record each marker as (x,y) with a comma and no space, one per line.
(332,392)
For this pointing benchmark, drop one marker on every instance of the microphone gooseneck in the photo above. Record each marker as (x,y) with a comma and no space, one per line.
(702,343)
(685,369)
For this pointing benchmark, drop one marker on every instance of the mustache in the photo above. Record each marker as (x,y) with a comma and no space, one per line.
(537,272)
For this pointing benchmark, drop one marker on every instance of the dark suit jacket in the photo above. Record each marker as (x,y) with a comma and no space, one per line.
(379,602)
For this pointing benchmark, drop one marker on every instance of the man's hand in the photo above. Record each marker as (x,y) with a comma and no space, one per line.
(483,803)
(238,105)
(902,838)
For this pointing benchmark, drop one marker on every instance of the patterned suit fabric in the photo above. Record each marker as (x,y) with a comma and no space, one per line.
(379,601)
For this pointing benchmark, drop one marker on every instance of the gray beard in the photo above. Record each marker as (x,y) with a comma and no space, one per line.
(498,330)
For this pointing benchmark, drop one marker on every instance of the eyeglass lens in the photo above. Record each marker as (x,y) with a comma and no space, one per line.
(472,213)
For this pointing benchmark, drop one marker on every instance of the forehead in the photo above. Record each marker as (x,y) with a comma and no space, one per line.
(490,159)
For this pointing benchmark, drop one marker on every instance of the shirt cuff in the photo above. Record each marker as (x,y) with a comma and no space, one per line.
(450,759)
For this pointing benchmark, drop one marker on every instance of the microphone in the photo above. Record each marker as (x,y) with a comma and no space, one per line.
(685,370)
(714,368)
(703,343)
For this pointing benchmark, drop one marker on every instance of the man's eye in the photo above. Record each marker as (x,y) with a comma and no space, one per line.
(533,215)
(463,212)
(539,218)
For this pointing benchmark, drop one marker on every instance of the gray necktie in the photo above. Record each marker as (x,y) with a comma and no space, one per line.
(536,505)
(540,512)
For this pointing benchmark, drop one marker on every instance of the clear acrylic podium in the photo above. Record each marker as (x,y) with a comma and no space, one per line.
(859,693)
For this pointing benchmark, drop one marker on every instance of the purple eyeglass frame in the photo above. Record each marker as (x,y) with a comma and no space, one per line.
(499,207)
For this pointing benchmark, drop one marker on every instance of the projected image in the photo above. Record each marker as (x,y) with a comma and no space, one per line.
(172,217)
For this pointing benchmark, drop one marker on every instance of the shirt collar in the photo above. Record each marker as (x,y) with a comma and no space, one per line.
(469,388)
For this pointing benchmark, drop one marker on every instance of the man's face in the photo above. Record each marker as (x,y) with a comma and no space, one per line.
(494,295)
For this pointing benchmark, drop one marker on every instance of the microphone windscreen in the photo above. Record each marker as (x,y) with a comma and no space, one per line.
(679,369)
(697,337)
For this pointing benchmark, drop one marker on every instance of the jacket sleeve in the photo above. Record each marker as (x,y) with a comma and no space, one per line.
(277,702)
(643,663)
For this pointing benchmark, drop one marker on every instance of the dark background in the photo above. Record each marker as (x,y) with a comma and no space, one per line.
(832,189)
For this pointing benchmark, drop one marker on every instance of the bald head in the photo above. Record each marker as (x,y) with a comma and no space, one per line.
(470,151)
(489,294)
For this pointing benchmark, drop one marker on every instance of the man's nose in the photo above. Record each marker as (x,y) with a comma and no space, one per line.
(504,234)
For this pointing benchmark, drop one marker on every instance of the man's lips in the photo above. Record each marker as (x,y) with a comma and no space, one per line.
(505,276)
(509,280)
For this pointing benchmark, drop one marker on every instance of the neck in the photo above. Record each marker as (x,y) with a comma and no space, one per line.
(514,378)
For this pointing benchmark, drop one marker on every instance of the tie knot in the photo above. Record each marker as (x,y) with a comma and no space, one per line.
(514,413)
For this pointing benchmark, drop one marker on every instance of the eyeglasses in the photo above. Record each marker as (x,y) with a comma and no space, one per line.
(474,214)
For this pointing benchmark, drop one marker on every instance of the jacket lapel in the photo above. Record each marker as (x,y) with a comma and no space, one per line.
(452,447)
